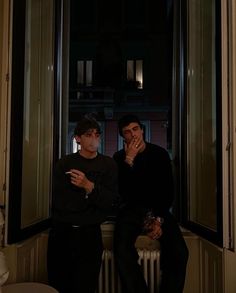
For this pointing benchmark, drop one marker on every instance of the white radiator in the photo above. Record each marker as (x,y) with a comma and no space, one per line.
(109,280)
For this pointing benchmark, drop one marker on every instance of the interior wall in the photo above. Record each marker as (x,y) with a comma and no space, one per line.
(27,260)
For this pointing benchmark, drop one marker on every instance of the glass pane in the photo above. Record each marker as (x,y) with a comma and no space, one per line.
(202,113)
(130,69)
(80,72)
(89,71)
(38,125)
(139,73)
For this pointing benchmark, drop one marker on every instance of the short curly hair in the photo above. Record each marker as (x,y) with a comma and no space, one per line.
(85,124)
(126,120)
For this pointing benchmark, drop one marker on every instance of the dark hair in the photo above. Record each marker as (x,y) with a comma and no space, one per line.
(126,120)
(85,124)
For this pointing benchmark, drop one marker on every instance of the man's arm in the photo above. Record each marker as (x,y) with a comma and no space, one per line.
(105,190)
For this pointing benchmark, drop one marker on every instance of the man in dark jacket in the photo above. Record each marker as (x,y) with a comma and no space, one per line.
(84,189)
(146,188)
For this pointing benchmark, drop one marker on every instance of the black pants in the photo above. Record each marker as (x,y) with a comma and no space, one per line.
(74,258)
(174,255)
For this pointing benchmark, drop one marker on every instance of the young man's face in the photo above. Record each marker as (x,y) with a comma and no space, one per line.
(89,141)
(131,132)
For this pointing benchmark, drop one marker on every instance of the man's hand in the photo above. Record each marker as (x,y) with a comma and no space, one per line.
(153,229)
(79,179)
(134,147)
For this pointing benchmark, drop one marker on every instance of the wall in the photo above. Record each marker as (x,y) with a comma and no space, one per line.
(27,260)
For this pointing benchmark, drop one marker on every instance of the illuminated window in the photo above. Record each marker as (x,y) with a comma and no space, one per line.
(135,72)
(84,72)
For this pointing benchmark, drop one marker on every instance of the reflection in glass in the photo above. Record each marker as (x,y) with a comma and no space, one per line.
(38,109)
(201,105)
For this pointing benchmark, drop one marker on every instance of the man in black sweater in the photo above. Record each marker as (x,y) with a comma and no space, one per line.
(146,189)
(84,189)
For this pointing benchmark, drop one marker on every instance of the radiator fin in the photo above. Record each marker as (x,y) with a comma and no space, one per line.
(109,281)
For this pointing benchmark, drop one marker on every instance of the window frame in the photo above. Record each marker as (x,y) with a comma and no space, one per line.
(14,232)
(183,212)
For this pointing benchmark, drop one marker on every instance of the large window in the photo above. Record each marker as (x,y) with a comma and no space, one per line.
(120,61)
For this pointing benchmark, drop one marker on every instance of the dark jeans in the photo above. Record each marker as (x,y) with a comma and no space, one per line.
(174,255)
(74,258)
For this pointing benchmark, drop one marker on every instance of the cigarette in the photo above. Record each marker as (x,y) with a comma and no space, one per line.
(69,172)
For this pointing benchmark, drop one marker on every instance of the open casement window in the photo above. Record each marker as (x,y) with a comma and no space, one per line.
(203,186)
(32,103)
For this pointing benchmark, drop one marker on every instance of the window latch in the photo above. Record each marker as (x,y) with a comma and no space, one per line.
(228,146)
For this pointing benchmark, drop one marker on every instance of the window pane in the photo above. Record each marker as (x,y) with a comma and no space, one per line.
(139,73)
(38,126)
(80,72)
(89,71)
(130,70)
(202,113)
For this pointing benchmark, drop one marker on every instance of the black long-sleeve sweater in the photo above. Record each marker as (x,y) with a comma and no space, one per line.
(70,204)
(149,182)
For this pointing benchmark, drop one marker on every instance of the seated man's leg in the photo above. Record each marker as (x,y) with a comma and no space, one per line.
(126,257)
(174,257)
(74,258)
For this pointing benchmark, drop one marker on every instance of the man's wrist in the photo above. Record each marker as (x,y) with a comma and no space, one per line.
(89,189)
(129,160)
